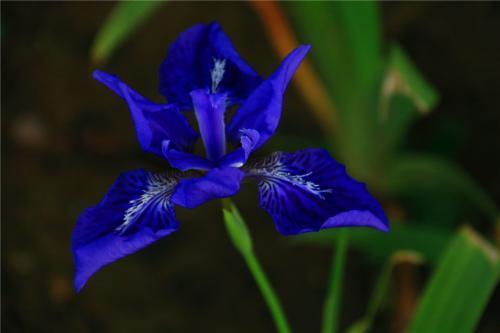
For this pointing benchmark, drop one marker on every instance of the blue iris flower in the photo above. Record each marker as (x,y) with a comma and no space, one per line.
(302,191)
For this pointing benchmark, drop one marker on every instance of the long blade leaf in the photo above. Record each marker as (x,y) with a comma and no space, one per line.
(347,51)
(122,21)
(459,288)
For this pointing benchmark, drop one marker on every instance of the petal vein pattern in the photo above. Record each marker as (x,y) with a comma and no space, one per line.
(135,213)
(157,194)
(308,191)
(273,170)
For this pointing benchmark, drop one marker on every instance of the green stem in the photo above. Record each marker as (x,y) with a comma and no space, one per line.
(240,236)
(269,295)
(333,298)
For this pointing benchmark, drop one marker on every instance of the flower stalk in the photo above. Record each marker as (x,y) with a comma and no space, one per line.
(331,307)
(240,237)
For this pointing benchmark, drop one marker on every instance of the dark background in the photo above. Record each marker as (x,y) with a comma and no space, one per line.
(65,138)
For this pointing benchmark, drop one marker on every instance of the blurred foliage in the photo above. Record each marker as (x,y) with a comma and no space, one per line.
(122,21)
(404,78)
(460,286)
(347,51)
(381,290)
(426,240)
(431,174)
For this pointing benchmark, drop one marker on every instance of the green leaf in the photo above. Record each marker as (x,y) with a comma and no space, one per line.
(430,174)
(402,77)
(347,52)
(237,228)
(405,95)
(427,241)
(393,127)
(460,286)
(123,20)
(347,42)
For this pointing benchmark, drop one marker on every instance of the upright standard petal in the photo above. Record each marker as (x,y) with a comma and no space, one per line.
(262,109)
(217,183)
(308,191)
(135,212)
(209,110)
(203,57)
(153,122)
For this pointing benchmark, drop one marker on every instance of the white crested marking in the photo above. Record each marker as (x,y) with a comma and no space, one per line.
(273,168)
(217,73)
(158,191)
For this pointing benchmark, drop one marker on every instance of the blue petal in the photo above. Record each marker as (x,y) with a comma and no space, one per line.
(262,110)
(217,183)
(153,122)
(209,110)
(135,212)
(308,191)
(190,61)
(238,157)
(185,161)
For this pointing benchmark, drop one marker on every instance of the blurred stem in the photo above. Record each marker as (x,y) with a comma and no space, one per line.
(331,306)
(406,295)
(381,289)
(254,266)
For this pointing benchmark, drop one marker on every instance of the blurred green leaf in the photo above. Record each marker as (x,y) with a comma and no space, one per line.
(405,93)
(418,172)
(346,40)
(402,77)
(394,126)
(123,20)
(237,228)
(347,47)
(427,241)
(460,286)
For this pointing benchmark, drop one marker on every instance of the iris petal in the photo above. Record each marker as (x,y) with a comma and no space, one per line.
(185,161)
(262,110)
(238,157)
(209,110)
(191,59)
(153,122)
(308,191)
(217,183)
(136,212)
